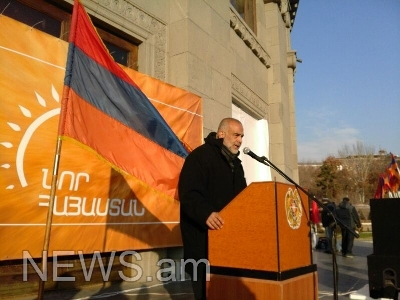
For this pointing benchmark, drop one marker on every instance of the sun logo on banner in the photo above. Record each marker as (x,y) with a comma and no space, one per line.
(293,208)
(25,138)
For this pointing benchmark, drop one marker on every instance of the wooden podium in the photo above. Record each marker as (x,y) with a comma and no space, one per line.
(264,249)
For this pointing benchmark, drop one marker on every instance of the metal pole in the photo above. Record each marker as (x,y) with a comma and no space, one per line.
(49,217)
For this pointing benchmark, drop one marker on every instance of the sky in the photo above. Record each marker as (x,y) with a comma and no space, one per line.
(347,88)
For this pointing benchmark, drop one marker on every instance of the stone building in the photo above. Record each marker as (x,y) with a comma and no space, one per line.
(236,55)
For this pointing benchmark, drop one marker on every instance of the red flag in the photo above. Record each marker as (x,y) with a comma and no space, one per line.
(379,189)
(388,184)
(393,175)
(105,111)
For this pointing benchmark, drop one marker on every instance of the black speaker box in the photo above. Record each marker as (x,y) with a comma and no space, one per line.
(384,276)
(384,263)
(385,221)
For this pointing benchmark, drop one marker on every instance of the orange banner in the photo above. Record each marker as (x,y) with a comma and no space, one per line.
(96,208)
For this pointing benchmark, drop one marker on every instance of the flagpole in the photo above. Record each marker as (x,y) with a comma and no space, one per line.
(49,218)
(61,127)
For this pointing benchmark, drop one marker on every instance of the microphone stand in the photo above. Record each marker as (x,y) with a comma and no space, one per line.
(267,162)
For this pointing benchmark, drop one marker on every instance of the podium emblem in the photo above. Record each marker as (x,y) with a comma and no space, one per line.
(293,208)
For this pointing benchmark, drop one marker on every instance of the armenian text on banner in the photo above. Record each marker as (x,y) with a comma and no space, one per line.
(96,208)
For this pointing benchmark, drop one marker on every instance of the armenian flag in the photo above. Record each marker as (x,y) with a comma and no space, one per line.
(388,184)
(104,111)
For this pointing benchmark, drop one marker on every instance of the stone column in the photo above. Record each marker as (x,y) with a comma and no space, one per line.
(280,92)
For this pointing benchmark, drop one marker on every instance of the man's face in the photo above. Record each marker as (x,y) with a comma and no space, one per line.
(233,137)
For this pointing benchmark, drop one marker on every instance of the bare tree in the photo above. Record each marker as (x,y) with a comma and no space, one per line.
(358,160)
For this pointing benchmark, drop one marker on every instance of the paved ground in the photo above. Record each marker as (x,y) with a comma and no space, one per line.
(352,282)
(352,272)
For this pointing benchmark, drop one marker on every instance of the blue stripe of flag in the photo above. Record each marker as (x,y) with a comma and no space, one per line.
(120,100)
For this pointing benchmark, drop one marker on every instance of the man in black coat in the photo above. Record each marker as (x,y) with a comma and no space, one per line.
(328,222)
(211,177)
(347,213)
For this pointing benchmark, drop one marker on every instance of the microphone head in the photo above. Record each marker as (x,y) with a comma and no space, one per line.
(246,150)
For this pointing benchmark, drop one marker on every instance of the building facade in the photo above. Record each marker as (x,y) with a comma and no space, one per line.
(233,53)
(210,48)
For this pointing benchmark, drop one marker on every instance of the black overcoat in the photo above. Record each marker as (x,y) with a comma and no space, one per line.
(207,183)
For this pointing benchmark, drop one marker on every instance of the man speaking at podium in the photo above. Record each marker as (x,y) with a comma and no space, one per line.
(211,177)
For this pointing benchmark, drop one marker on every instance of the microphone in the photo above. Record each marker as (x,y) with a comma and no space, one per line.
(247,151)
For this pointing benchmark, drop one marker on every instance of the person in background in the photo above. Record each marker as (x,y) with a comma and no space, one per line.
(212,175)
(315,220)
(347,213)
(328,222)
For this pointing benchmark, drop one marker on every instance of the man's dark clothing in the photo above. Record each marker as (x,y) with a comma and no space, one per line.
(349,217)
(327,218)
(209,180)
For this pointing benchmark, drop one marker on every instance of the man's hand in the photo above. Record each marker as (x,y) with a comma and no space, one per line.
(215,221)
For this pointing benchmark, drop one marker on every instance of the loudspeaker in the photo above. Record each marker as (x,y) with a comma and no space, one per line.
(385,223)
(384,263)
(384,276)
